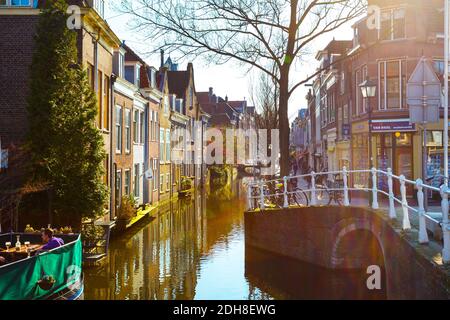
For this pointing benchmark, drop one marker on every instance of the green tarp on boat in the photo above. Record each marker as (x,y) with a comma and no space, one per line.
(19,280)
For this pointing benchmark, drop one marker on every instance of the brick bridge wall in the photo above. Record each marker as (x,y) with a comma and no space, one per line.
(348,238)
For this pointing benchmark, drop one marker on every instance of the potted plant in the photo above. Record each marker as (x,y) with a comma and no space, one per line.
(126,211)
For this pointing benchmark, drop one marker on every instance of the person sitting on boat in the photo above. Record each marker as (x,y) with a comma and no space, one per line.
(2,261)
(50,241)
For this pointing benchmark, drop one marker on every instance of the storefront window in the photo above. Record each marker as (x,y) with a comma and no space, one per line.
(360,159)
(435,155)
(403,140)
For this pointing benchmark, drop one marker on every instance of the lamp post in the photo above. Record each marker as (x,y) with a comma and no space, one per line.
(368,90)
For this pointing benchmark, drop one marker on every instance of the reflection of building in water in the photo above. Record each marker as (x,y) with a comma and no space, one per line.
(163,260)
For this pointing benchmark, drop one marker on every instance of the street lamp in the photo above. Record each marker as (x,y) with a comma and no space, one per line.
(369,90)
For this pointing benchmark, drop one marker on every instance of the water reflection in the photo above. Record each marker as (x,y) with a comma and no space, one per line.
(196,250)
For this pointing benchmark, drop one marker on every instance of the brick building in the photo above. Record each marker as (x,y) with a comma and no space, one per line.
(388,55)
(96,46)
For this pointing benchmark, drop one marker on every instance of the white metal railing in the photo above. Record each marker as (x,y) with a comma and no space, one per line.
(259,197)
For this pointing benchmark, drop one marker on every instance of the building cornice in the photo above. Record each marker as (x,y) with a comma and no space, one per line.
(6,11)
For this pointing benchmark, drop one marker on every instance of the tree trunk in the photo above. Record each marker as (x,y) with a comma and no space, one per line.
(284,124)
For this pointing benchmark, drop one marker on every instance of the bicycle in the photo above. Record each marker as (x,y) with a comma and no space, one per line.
(329,190)
(274,192)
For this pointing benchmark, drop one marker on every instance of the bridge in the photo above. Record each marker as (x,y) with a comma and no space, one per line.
(392,232)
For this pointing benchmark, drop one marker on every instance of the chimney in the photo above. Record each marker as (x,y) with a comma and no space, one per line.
(226,98)
(210,94)
(162,58)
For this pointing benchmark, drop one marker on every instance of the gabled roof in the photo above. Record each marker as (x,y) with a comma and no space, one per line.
(178,82)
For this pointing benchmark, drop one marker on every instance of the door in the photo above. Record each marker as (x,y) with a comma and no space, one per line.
(403,160)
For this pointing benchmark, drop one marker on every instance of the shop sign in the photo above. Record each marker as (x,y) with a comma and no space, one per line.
(346,130)
(394,126)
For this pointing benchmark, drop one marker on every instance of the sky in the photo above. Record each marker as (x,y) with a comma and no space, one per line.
(229,79)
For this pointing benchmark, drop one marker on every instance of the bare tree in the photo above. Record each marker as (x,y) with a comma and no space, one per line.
(265,96)
(256,33)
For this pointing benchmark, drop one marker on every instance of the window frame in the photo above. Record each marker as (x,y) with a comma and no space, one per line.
(127,186)
(119,190)
(137,180)
(127,123)
(135,126)
(402,63)
(119,132)
(8,3)
(391,12)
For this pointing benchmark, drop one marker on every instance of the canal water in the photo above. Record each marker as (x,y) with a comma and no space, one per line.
(195,249)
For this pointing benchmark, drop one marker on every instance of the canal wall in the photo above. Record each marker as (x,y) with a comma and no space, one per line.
(347,238)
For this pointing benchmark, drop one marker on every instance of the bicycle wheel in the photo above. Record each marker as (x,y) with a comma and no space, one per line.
(276,201)
(299,198)
(323,196)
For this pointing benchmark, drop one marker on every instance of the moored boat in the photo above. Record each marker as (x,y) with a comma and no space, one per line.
(54,274)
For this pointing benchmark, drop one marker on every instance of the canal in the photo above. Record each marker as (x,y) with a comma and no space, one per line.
(195,250)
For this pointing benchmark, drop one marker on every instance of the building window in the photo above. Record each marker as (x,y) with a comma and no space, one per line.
(118,188)
(127,130)
(342,83)
(136,126)
(16,3)
(90,75)
(127,182)
(129,74)
(156,125)
(155,174)
(168,145)
(99,98)
(323,111)
(331,108)
(121,65)
(141,128)
(153,78)
(392,84)
(137,180)
(393,25)
(161,145)
(161,183)
(138,76)
(168,182)
(105,118)
(151,125)
(119,117)
(361,103)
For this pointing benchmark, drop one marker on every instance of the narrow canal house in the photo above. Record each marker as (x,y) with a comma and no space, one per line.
(334,116)
(178,125)
(123,105)
(409,30)
(145,124)
(182,85)
(96,46)
(388,55)
(165,152)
